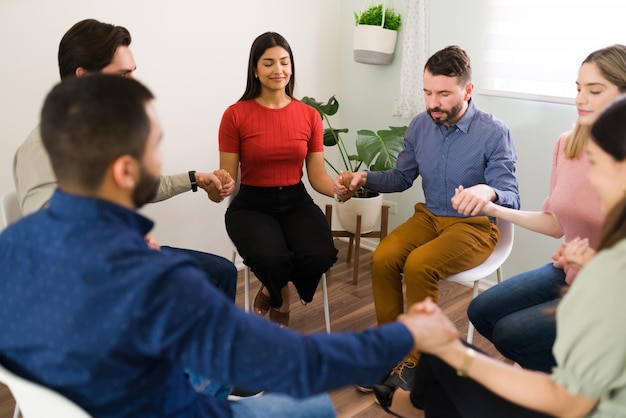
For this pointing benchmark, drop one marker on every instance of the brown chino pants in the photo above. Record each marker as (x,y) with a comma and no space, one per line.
(426,248)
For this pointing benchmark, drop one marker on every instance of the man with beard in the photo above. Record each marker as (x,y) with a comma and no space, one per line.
(88,309)
(91,47)
(466,158)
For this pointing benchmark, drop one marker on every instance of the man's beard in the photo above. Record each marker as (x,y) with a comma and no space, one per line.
(146,189)
(449,114)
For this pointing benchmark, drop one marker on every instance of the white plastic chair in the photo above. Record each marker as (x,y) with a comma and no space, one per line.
(246,294)
(37,401)
(492,263)
(10,210)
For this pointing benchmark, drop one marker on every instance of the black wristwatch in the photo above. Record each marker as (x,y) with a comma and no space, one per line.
(192,179)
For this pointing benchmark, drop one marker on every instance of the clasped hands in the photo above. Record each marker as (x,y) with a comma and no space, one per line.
(572,256)
(431,329)
(217,184)
(347,183)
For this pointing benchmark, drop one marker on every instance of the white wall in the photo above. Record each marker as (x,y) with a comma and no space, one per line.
(192,54)
(368,94)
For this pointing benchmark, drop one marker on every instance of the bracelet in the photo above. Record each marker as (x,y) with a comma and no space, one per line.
(192,179)
(470,355)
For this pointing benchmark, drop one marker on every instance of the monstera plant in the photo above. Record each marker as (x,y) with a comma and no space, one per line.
(375,151)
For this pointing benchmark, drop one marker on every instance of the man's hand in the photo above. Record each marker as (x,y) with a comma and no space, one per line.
(430,327)
(349,182)
(472,201)
(217,185)
(341,186)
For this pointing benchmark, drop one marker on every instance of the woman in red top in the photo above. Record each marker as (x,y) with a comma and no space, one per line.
(266,137)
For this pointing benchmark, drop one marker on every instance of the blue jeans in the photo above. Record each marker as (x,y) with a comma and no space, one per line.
(221,272)
(518,316)
(283,406)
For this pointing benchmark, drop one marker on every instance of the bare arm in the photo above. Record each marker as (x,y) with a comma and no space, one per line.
(541,222)
(534,390)
(318,177)
(229,161)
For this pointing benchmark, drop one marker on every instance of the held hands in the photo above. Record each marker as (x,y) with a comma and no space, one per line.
(572,256)
(217,184)
(347,183)
(431,329)
(473,200)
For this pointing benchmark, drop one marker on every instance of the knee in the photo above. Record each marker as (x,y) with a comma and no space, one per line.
(475,310)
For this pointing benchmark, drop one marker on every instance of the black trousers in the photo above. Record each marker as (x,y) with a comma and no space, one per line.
(282,235)
(441,393)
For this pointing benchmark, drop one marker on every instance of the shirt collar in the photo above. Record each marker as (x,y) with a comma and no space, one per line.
(83,208)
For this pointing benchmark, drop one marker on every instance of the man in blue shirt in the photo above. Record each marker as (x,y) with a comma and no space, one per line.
(90,310)
(466,158)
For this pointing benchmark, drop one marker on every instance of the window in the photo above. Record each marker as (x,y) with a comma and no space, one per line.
(533,48)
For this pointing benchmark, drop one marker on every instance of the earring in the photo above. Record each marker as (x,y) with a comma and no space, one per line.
(256,76)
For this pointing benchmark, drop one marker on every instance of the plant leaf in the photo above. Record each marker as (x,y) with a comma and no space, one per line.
(379,150)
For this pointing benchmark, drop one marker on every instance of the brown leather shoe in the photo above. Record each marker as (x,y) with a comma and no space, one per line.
(261,303)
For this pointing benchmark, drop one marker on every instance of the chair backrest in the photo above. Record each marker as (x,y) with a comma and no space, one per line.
(37,401)
(10,210)
(499,255)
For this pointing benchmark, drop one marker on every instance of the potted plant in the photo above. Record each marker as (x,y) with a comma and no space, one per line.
(375,34)
(375,151)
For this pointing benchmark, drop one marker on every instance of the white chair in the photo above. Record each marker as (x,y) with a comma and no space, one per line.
(10,210)
(246,294)
(492,263)
(37,401)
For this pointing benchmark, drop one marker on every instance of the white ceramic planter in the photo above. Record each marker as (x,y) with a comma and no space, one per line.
(374,44)
(369,208)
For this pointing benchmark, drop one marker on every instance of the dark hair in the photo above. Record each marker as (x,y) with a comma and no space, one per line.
(451,61)
(261,44)
(88,122)
(609,133)
(90,44)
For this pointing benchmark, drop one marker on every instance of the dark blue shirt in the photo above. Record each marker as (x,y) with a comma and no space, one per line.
(478,149)
(88,309)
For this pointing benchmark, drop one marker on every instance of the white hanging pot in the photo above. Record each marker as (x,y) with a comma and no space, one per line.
(374,44)
(368,207)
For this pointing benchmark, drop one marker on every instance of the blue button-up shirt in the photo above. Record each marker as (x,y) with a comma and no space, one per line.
(478,149)
(89,310)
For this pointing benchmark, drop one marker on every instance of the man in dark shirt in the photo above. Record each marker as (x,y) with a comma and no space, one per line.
(90,310)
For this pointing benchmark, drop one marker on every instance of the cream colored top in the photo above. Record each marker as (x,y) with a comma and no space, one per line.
(35,181)
(590,347)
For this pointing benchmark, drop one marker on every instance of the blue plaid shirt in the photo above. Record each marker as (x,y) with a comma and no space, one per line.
(478,149)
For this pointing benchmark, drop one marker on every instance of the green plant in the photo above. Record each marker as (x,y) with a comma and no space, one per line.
(374,16)
(378,151)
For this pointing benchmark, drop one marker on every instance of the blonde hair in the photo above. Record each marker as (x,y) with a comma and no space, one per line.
(611,62)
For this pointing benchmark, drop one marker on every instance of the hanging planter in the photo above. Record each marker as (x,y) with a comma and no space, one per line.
(375,35)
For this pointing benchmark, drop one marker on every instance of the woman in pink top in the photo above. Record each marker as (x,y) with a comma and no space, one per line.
(514,314)
(268,136)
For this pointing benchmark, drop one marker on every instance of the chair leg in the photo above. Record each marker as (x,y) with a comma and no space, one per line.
(499,274)
(357,247)
(470,326)
(246,288)
(326,308)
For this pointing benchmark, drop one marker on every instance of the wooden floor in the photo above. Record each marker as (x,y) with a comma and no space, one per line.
(351,308)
